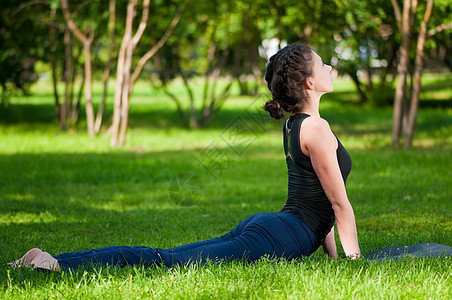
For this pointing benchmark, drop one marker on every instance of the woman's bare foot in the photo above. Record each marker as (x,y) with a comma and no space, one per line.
(45,261)
(26,260)
(36,258)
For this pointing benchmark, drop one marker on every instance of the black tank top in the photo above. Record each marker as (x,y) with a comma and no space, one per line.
(306,197)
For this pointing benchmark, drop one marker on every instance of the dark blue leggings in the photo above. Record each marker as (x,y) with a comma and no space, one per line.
(278,235)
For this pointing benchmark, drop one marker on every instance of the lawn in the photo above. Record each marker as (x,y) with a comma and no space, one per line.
(63,191)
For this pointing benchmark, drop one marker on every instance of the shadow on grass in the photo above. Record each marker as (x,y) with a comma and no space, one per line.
(435,104)
(71,202)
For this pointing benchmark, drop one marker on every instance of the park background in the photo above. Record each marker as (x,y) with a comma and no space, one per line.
(140,123)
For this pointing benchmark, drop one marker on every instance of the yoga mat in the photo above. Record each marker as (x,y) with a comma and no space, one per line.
(424,250)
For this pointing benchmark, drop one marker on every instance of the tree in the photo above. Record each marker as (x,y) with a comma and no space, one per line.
(406,104)
(364,45)
(216,46)
(107,69)
(87,40)
(22,39)
(125,78)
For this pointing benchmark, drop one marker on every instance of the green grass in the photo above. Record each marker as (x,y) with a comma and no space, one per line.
(67,192)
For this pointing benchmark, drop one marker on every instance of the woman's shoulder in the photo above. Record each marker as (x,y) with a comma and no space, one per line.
(317,124)
(316,132)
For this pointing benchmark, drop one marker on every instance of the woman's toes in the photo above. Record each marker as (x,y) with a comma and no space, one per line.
(26,259)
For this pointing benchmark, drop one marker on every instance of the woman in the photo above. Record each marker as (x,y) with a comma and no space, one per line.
(318,166)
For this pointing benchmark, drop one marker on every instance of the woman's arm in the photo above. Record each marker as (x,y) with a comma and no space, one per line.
(319,143)
(329,244)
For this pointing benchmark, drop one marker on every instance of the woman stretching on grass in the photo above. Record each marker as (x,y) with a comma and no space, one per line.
(318,166)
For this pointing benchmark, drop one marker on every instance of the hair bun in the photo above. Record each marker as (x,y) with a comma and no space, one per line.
(274,109)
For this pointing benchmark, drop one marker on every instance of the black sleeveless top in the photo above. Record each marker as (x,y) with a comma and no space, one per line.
(306,197)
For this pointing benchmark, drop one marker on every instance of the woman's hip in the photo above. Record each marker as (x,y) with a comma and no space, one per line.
(283,230)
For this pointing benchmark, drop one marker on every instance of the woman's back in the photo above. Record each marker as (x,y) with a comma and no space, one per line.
(306,197)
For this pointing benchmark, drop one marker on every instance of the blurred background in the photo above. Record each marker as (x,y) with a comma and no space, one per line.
(90,54)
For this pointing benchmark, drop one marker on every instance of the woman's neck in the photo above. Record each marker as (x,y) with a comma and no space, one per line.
(310,107)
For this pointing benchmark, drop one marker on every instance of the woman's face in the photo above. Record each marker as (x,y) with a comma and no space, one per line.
(321,76)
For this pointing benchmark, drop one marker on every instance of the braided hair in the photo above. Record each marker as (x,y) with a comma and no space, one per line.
(285,76)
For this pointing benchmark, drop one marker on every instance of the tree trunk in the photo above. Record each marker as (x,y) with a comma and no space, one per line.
(193,119)
(164,87)
(258,76)
(159,44)
(125,77)
(120,73)
(86,41)
(107,69)
(402,70)
(73,116)
(216,101)
(88,89)
(210,57)
(53,62)
(362,96)
(55,86)
(126,89)
(3,96)
(68,80)
(389,67)
(409,130)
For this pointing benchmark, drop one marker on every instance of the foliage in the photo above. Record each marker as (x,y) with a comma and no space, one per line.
(215,39)
(17,54)
(382,94)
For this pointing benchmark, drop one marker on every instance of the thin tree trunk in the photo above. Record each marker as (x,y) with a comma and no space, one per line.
(193,120)
(126,88)
(258,77)
(55,86)
(389,67)
(216,104)
(217,72)
(107,69)
(368,71)
(88,88)
(120,73)
(409,130)
(210,57)
(180,111)
(3,96)
(176,101)
(53,62)
(126,79)
(73,116)
(67,78)
(355,79)
(216,101)
(86,41)
(159,44)
(402,69)
(128,83)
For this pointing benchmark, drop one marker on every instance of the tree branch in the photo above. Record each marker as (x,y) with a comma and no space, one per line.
(70,23)
(144,19)
(159,44)
(80,6)
(438,29)
(398,14)
(29,3)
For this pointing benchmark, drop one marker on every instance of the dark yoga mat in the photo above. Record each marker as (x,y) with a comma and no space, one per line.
(425,250)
